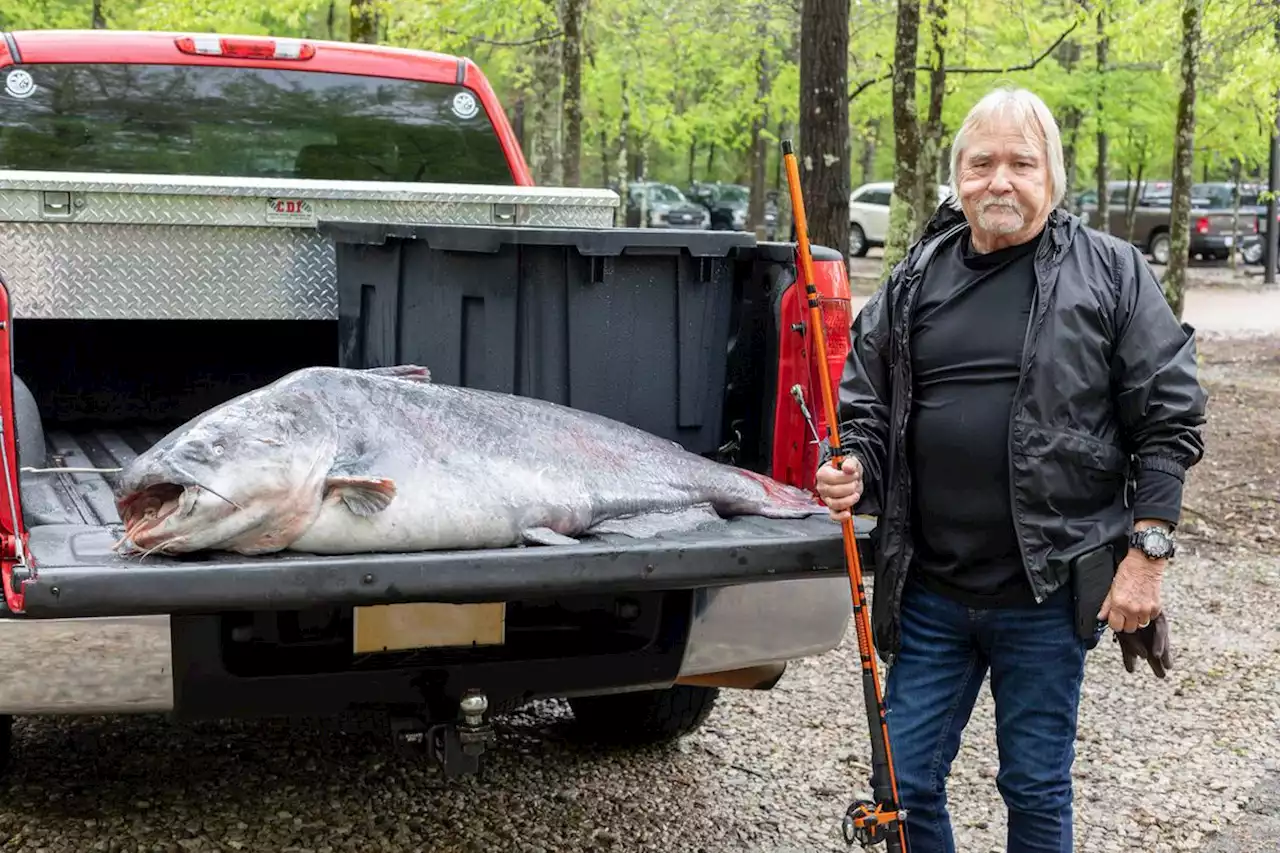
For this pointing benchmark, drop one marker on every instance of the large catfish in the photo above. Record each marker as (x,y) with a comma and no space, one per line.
(336,461)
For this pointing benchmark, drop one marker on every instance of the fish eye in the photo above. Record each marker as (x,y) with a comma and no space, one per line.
(217,449)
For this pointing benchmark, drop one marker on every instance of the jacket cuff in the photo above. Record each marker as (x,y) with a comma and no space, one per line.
(1158,496)
(1164,465)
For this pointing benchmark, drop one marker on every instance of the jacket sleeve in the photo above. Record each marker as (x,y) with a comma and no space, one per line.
(864,398)
(1159,400)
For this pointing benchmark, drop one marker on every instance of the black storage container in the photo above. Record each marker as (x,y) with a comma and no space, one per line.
(633,324)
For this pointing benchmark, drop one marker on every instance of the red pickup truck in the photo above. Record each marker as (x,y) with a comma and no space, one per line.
(184,217)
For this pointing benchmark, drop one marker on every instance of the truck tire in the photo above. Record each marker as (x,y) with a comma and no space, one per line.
(646,717)
(1159,247)
(857,241)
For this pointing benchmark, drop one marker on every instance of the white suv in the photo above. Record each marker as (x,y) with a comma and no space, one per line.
(869,215)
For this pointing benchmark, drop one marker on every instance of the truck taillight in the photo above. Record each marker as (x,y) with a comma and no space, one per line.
(1202,225)
(836,320)
(246,48)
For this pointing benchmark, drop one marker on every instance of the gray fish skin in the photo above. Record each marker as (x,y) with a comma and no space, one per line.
(338,461)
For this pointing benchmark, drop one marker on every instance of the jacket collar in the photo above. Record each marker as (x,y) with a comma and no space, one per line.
(1060,229)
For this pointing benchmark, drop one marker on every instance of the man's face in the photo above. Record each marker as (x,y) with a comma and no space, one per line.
(1004,185)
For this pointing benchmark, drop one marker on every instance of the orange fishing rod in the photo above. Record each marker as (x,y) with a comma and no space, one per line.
(868,823)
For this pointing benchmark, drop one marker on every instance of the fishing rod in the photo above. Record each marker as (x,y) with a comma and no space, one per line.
(883,820)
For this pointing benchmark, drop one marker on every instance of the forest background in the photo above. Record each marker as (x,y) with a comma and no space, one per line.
(606,92)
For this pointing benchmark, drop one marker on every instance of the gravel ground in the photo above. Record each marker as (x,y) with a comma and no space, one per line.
(1188,763)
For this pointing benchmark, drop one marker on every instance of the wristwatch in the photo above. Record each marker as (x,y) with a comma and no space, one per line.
(1155,542)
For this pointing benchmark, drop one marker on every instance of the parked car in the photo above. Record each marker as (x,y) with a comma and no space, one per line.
(869,215)
(1211,235)
(728,205)
(664,206)
(1251,234)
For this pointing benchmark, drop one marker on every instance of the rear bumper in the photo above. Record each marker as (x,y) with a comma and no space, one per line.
(1212,242)
(125,664)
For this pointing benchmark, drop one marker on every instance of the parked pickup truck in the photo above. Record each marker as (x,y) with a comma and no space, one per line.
(184,217)
(1212,234)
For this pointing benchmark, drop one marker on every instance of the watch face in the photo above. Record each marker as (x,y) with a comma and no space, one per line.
(1156,544)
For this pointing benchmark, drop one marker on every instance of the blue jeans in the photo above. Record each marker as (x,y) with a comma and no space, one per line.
(1036,664)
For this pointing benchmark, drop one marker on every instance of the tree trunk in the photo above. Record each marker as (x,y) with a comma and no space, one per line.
(1235,207)
(605,165)
(1134,193)
(623,156)
(1184,150)
(1069,55)
(868,164)
(517,121)
(906,135)
(99,22)
(1104,211)
(759,145)
(545,103)
(824,121)
(931,142)
(364,22)
(573,12)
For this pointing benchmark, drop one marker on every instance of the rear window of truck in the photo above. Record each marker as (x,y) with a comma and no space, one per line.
(244,122)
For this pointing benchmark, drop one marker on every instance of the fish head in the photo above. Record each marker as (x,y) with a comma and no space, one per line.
(246,477)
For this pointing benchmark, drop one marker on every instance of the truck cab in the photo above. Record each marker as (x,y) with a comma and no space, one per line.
(186,216)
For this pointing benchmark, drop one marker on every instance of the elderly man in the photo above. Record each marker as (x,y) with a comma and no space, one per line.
(1019,410)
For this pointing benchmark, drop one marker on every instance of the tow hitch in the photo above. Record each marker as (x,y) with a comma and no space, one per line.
(457,745)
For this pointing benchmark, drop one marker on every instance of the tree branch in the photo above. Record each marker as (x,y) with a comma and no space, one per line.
(491,43)
(1026,66)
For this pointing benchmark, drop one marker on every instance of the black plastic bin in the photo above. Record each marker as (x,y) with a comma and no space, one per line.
(633,324)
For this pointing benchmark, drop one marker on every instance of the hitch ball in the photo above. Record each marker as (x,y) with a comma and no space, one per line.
(473,705)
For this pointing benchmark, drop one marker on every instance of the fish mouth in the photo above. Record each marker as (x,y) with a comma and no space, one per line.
(145,512)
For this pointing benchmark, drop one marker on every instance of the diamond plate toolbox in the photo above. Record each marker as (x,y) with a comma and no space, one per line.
(96,246)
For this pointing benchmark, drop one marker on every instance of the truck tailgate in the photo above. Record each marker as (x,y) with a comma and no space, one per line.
(73,524)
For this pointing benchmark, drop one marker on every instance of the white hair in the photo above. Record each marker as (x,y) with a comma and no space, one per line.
(1027,111)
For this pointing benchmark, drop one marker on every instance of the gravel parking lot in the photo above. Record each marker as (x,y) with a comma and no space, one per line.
(1188,763)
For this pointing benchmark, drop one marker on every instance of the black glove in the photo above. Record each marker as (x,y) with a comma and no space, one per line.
(1150,643)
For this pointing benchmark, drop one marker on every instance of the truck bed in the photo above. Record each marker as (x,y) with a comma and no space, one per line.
(73,525)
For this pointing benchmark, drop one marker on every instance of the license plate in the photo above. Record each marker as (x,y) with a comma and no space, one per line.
(428,625)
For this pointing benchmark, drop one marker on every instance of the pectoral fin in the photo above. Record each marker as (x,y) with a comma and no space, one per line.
(545,536)
(364,496)
(655,525)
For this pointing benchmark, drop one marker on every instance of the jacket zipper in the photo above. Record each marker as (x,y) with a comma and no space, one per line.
(1034,321)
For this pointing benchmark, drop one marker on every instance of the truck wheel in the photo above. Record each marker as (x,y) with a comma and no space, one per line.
(1159,248)
(857,241)
(647,717)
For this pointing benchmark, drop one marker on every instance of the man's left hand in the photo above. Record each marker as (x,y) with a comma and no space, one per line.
(1134,599)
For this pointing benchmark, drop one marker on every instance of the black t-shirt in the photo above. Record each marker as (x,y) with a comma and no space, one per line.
(967,337)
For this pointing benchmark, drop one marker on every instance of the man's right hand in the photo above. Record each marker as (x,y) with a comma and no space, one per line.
(840,488)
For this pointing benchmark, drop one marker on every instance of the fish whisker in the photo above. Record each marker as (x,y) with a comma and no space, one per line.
(196,482)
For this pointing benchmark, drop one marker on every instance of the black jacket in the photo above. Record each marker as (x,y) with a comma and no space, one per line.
(1108,385)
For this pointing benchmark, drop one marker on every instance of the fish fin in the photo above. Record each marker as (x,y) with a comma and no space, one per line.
(408,372)
(651,525)
(545,536)
(364,496)
(779,500)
